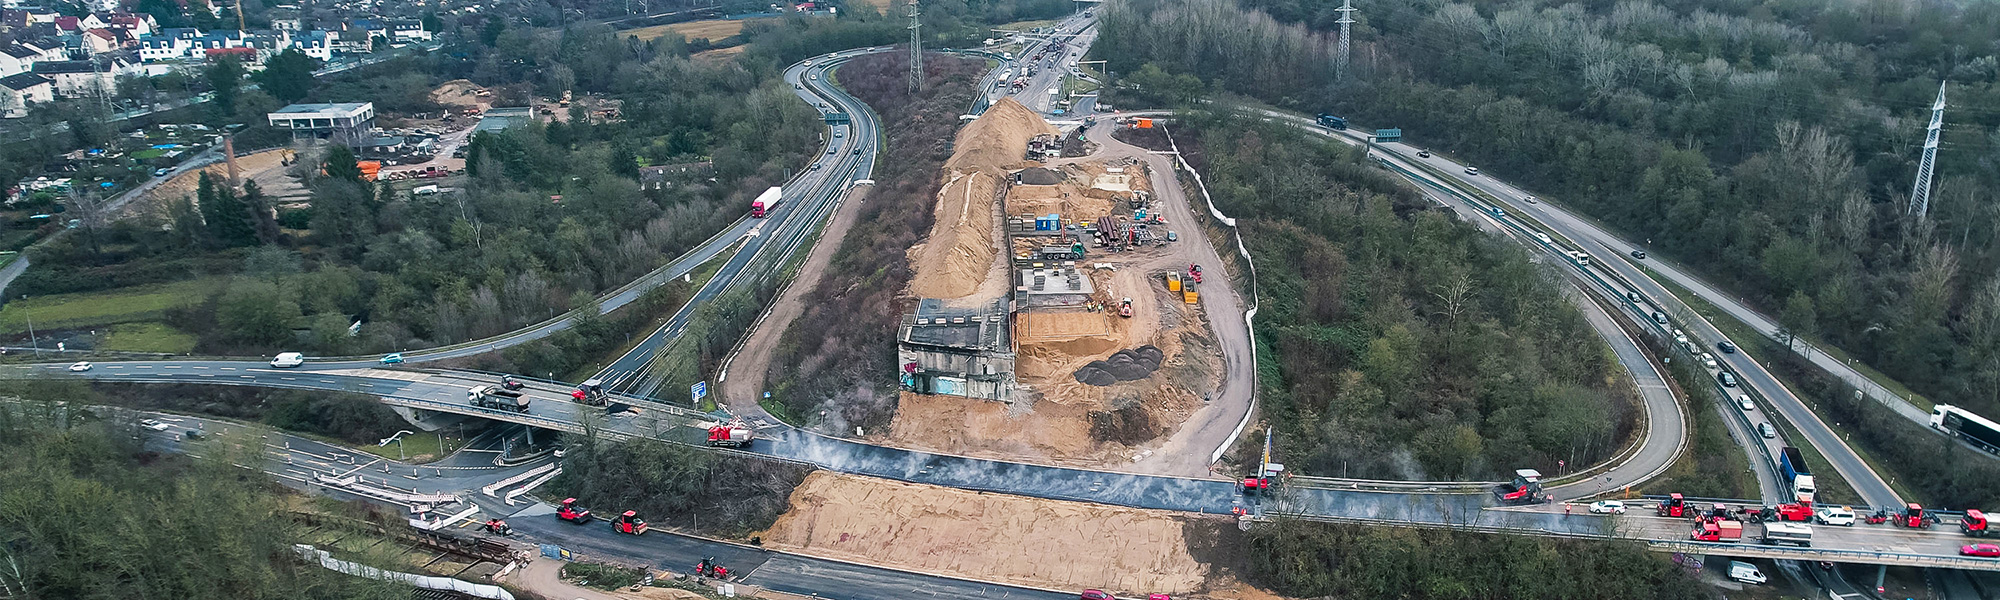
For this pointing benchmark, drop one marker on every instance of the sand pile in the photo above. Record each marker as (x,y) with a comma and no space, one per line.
(457,92)
(960,252)
(998,140)
(1124,365)
(1038,176)
(1011,539)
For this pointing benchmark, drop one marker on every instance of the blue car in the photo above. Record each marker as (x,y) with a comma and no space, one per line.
(392,359)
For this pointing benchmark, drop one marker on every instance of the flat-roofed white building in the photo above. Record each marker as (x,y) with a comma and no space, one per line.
(345,123)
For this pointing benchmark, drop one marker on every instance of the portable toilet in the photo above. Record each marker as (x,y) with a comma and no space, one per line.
(1173,281)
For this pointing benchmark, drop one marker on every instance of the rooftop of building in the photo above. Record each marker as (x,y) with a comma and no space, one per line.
(982,328)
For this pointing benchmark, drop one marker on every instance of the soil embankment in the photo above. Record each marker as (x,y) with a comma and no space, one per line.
(959,253)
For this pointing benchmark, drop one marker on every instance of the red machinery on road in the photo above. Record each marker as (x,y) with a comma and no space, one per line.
(1914,517)
(497,527)
(1194,271)
(1267,471)
(573,513)
(1674,506)
(1526,488)
(708,568)
(1975,524)
(733,434)
(629,523)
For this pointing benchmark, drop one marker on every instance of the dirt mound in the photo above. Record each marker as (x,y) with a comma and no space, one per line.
(1038,176)
(960,252)
(962,426)
(997,140)
(459,93)
(1011,539)
(1124,365)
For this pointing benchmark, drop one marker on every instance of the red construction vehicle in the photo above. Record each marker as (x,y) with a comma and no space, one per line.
(1674,506)
(1717,530)
(1125,308)
(1526,488)
(497,527)
(1266,471)
(1789,512)
(1914,517)
(629,523)
(573,513)
(1194,271)
(1974,524)
(590,393)
(730,435)
(708,568)
(507,382)
(1877,518)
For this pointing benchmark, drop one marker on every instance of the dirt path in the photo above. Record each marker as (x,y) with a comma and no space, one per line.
(1187,451)
(544,576)
(743,385)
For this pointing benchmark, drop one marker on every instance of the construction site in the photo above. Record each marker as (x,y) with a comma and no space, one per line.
(1109,348)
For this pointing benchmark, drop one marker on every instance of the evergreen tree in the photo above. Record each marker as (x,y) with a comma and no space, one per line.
(227,219)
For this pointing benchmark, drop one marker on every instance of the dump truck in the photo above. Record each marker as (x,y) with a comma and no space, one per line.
(767,202)
(1787,533)
(1717,530)
(1173,281)
(1792,465)
(1070,252)
(730,435)
(492,396)
(1525,489)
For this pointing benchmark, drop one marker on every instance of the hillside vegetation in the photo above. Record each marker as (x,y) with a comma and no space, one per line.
(1397,341)
(1772,144)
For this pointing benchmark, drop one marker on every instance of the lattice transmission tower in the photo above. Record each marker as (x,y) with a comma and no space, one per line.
(916,49)
(1920,197)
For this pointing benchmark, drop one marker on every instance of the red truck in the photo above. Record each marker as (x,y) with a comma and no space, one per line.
(1674,506)
(767,202)
(1974,524)
(730,435)
(1717,530)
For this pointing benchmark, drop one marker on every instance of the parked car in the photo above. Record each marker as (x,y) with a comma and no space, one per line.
(1986,550)
(1835,515)
(1728,379)
(1607,507)
(79,367)
(1096,595)
(154,425)
(1743,402)
(1726,347)
(1708,360)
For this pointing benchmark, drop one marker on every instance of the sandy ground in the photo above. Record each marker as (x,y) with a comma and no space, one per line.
(994,537)
(960,256)
(712,29)
(461,93)
(745,384)
(262,167)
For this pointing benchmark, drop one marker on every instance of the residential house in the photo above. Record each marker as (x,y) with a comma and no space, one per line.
(48,51)
(15,60)
(135,25)
(352,41)
(173,43)
(408,31)
(20,90)
(99,41)
(292,24)
(84,78)
(315,43)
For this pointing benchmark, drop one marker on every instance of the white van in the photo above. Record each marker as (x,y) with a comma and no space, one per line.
(1745,572)
(288,359)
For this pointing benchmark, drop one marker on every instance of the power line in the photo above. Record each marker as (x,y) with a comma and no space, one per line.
(916,49)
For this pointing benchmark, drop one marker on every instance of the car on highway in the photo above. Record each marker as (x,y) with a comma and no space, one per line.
(1531,199)
(815,166)
(1096,595)
(1726,347)
(857,150)
(1708,360)
(1764,429)
(1659,317)
(288,359)
(393,358)
(1835,515)
(1639,254)
(154,425)
(1743,402)
(1423,154)
(1728,379)
(1607,507)
(79,367)
(1985,550)
(840,134)
(161,172)
(1472,170)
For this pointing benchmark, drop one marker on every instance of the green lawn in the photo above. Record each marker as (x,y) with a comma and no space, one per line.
(88,309)
(147,336)
(149,153)
(418,448)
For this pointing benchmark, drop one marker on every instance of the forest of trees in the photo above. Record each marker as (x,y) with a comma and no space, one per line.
(1398,342)
(1772,143)
(1343,561)
(552,213)
(85,512)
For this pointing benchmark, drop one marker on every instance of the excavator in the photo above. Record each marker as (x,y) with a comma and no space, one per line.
(573,513)
(629,523)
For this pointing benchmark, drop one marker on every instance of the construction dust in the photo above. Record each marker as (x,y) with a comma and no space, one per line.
(1124,365)
(994,537)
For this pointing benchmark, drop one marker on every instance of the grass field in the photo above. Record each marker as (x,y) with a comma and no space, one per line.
(129,305)
(711,29)
(147,336)
(721,53)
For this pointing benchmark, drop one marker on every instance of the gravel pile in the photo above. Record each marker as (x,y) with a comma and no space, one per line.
(1038,176)
(1125,365)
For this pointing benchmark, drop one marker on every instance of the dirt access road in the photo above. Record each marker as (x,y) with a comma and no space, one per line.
(1187,452)
(743,379)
